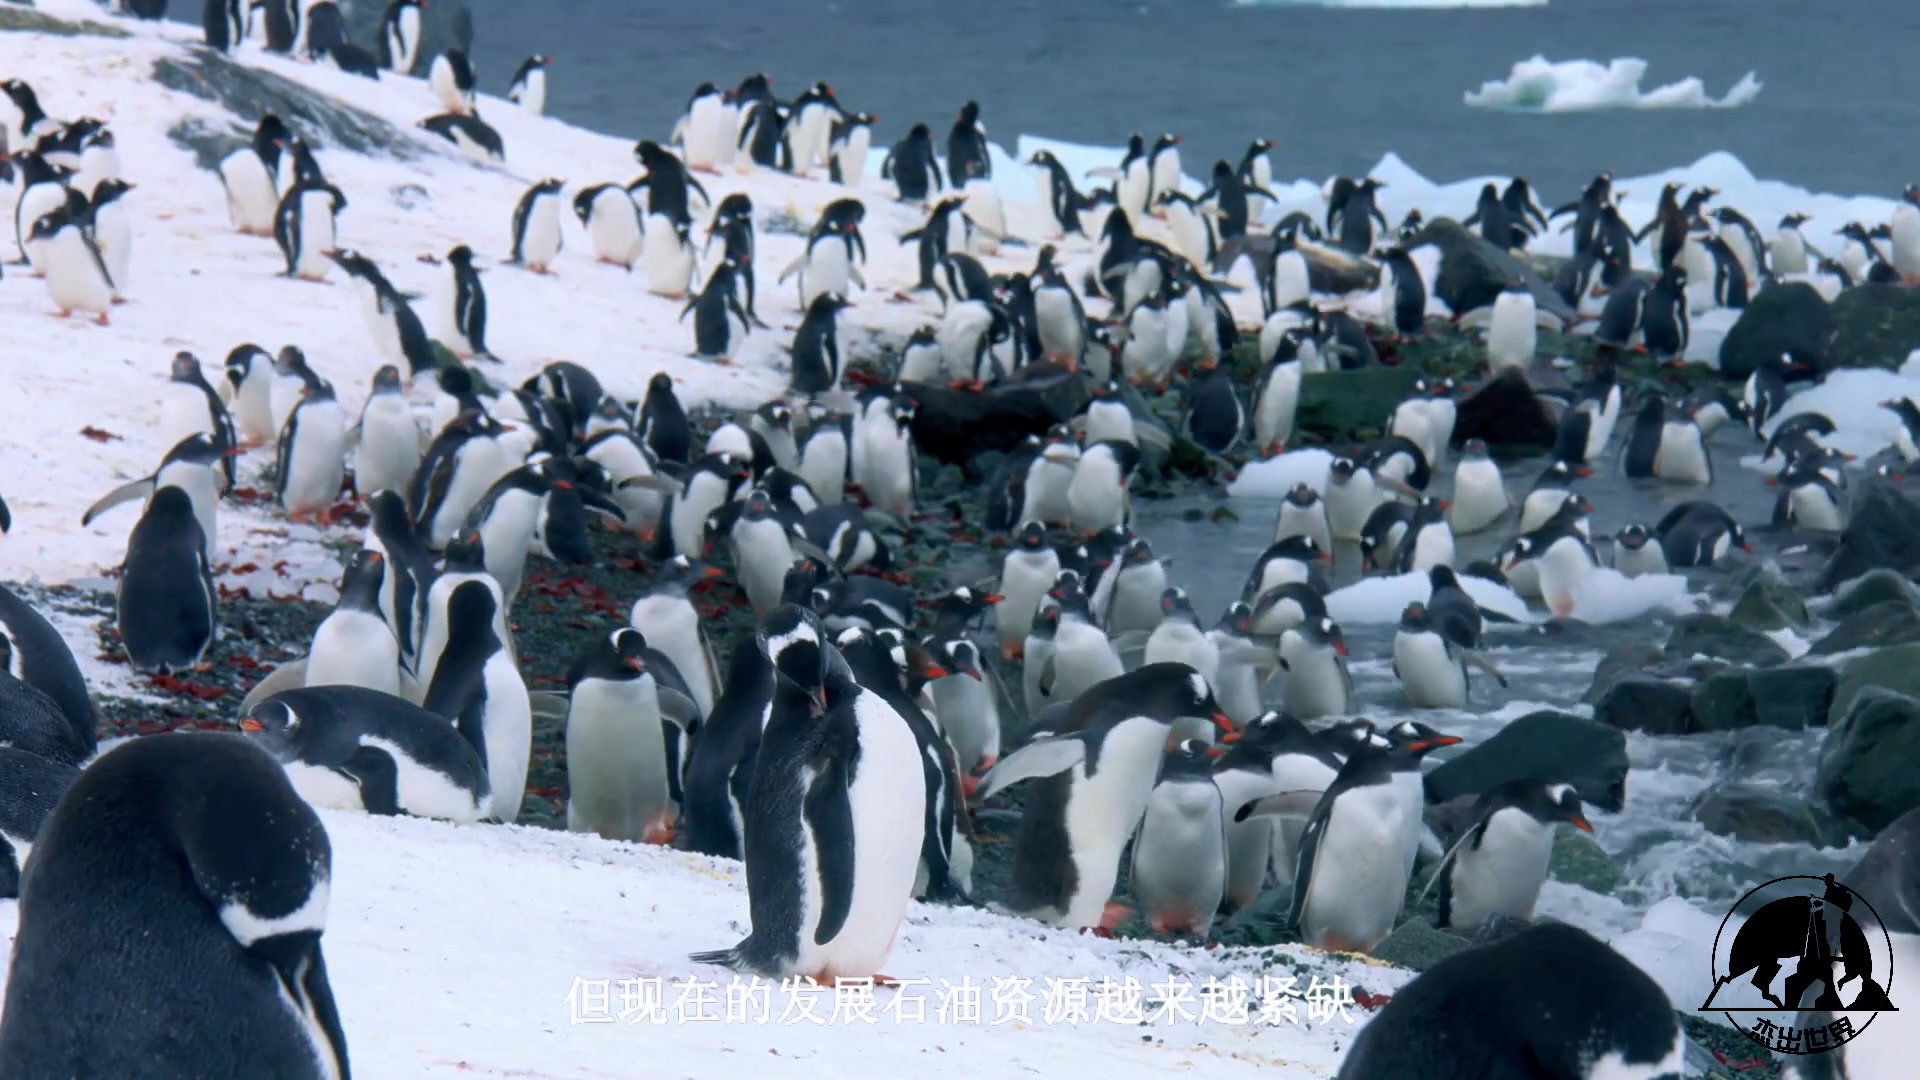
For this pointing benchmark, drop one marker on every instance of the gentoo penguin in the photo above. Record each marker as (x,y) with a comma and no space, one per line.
(400,35)
(1133,603)
(824,450)
(203,835)
(355,646)
(1509,1008)
(167,609)
(670,622)
(1664,326)
(1303,513)
(1179,638)
(884,464)
(248,390)
(386,439)
(41,189)
(34,786)
(1214,419)
(537,237)
(36,654)
(818,358)
(1698,534)
(1029,570)
(720,321)
(1479,493)
(1637,551)
(460,465)
(1807,500)
(967,157)
(965,703)
(1563,556)
(1513,329)
(848,142)
(112,232)
(291,377)
(251,176)
(622,766)
(192,467)
(528,88)
(1549,493)
(1428,541)
(1243,773)
(835,766)
(1496,869)
(311,461)
(1429,661)
(1765,391)
(508,520)
(1313,670)
(612,221)
(1178,873)
(451,79)
(1667,445)
(34,724)
(76,275)
(303,226)
(707,486)
(1095,774)
(911,165)
(474,682)
(667,261)
(468,133)
(662,426)
(834,246)
(1098,495)
(1350,499)
(1290,560)
(762,547)
(191,406)
(1082,657)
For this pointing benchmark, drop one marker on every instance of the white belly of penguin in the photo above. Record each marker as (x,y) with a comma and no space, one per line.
(886,797)
(1310,521)
(614,227)
(197,482)
(183,413)
(319,459)
(1179,859)
(1095,499)
(321,786)
(30,206)
(1350,504)
(825,271)
(1512,334)
(1562,569)
(540,241)
(113,234)
(1185,643)
(616,759)
(970,718)
(1430,675)
(1645,560)
(1881,1052)
(672,625)
(762,555)
(1358,879)
(1060,331)
(667,260)
(1682,458)
(1541,504)
(1110,421)
(1248,842)
(1136,599)
(1024,579)
(1503,875)
(251,195)
(824,468)
(507,536)
(382,324)
(1314,687)
(316,234)
(476,466)
(1103,811)
(509,735)
(1814,509)
(389,449)
(355,648)
(1433,547)
(1279,403)
(1293,772)
(1479,496)
(429,793)
(1082,659)
(74,279)
(1048,485)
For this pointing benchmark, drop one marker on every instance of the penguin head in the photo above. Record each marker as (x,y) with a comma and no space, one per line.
(361,582)
(624,652)
(1633,537)
(47,226)
(969,113)
(1238,618)
(1173,690)
(1341,470)
(903,409)
(1417,738)
(1475,448)
(1303,496)
(1138,552)
(1445,387)
(1299,547)
(272,722)
(186,368)
(1439,577)
(962,658)
(386,380)
(794,642)
(1794,220)
(1046,620)
(107,191)
(759,505)
(1032,537)
(1324,631)
(1413,619)
(466,550)
(461,255)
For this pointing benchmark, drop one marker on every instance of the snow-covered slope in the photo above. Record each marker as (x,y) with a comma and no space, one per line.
(453,951)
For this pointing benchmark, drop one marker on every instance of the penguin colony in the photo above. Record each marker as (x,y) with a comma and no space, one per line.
(840,749)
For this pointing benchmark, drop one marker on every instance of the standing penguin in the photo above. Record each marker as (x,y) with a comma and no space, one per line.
(967,157)
(113,232)
(884,462)
(1430,656)
(248,390)
(400,35)
(204,835)
(1497,868)
(669,620)
(463,319)
(848,143)
(303,226)
(667,259)
(835,766)
(76,275)
(451,79)
(537,237)
(1095,775)
(474,682)
(719,320)
(612,221)
(528,88)
(311,461)
(912,167)
(191,406)
(1668,445)
(1313,666)
(817,354)
(1479,493)
(621,776)
(167,611)
(1303,513)
(1215,419)
(1663,316)
(1028,571)
(251,176)
(1098,496)
(1178,874)
(355,646)
(1512,332)
(827,265)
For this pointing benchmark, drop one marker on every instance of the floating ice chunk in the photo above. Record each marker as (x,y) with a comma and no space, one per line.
(1274,477)
(1543,85)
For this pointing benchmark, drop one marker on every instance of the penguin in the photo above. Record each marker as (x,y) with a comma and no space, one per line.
(827,265)
(167,611)
(113,232)
(1295,559)
(911,165)
(354,645)
(708,485)
(824,452)
(1398,463)
(1064,202)
(1496,869)
(1094,776)
(1215,419)
(967,157)
(1133,605)
(670,623)
(762,550)
(1637,551)
(304,227)
(34,786)
(36,725)
(451,79)
(473,681)
(508,520)
(1028,571)
(1427,662)
(1508,1007)
(612,222)
(1178,873)
(76,275)
(1479,493)
(662,425)
(1765,391)
(1049,478)
(1351,498)
(884,464)
(400,35)
(469,134)
(1302,513)
(311,460)
(720,323)
(192,466)
(1178,637)
(248,390)
(1496,226)
(42,190)
(1807,500)
(668,263)
(36,655)
(1512,331)
(835,765)
(1563,556)
(817,347)
(707,129)
(291,377)
(528,87)
(1313,666)
(460,465)
(537,238)
(1663,315)
(1787,251)
(1059,320)
(1356,213)
(1549,492)
(622,765)
(848,141)
(202,834)
(921,358)
(1098,495)
(191,406)
(1668,446)
(251,176)
(1082,657)
(463,316)
(966,706)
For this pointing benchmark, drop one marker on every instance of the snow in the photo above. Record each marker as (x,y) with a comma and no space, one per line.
(1555,86)
(1382,599)
(1851,399)
(1605,595)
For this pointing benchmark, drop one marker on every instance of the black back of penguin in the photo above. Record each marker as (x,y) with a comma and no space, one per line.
(40,658)
(1548,1001)
(168,832)
(166,599)
(719,771)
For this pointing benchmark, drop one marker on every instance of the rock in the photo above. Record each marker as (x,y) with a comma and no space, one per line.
(1792,696)
(1625,657)
(1866,764)
(1639,703)
(1418,944)
(1345,406)
(1883,532)
(1504,411)
(24,18)
(1550,745)
(1578,859)
(1873,326)
(952,426)
(1473,272)
(1722,638)
(1896,668)
(250,93)
(1724,702)
(444,24)
(1895,622)
(1769,603)
(1791,318)
(1870,589)
(1761,815)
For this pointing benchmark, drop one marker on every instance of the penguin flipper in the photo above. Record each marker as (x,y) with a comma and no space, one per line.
(1477,319)
(677,708)
(1049,674)
(291,675)
(853,273)
(1446,862)
(373,770)
(792,269)
(136,489)
(1287,804)
(549,704)
(1152,433)
(829,816)
(1498,617)
(1480,660)
(1043,757)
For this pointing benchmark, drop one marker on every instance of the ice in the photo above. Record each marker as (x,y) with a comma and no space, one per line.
(1851,399)
(1382,599)
(1667,946)
(1275,476)
(1553,86)
(1605,595)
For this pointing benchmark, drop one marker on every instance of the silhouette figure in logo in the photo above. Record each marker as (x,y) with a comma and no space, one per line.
(1826,946)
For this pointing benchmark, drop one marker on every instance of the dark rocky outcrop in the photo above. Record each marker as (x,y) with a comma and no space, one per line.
(444,24)
(1549,745)
(1870,589)
(1504,411)
(1721,638)
(1895,622)
(23,18)
(1792,696)
(1639,703)
(1874,326)
(1473,272)
(1351,406)
(953,426)
(1625,657)
(1762,815)
(1883,532)
(1895,668)
(1767,602)
(1789,318)
(250,93)
(1867,763)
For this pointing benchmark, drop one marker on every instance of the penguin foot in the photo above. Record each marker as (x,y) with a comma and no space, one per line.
(62,313)
(101,319)
(885,980)
(1013,650)
(1113,915)
(660,833)
(119,299)
(1273,449)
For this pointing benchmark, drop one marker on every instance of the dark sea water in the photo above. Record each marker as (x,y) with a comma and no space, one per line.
(1336,87)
